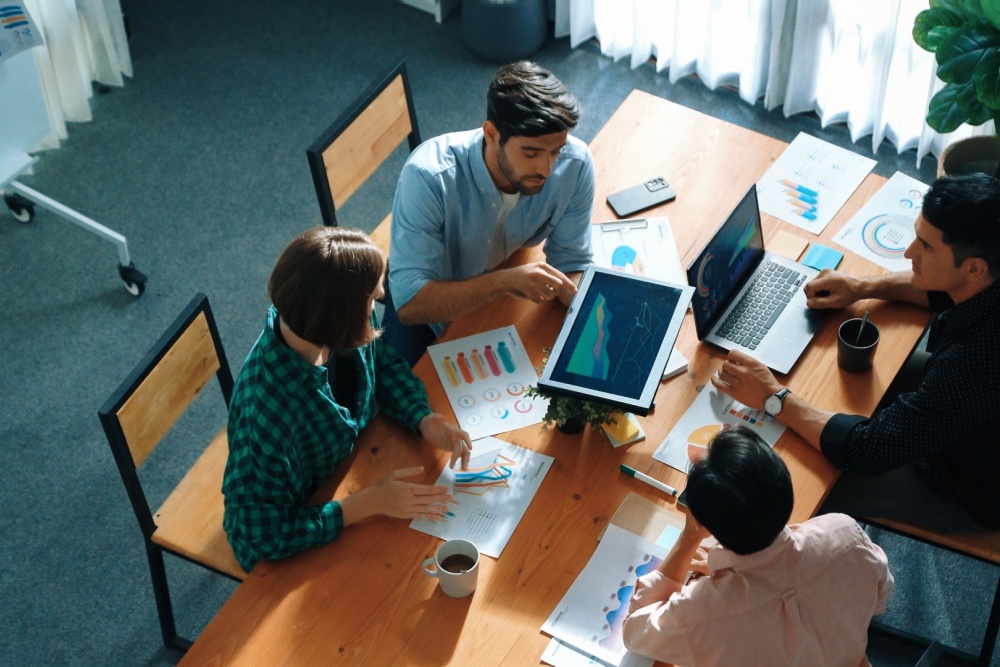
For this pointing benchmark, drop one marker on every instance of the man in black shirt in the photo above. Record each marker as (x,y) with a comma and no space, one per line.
(931,456)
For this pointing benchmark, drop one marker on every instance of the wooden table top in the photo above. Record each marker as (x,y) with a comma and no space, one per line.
(363,600)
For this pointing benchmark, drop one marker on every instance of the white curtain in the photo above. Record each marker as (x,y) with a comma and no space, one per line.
(850,61)
(84,42)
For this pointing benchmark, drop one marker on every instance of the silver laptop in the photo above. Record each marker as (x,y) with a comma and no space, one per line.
(749,299)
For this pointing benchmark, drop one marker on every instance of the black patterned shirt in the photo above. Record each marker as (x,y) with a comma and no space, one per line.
(287,434)
(949,428)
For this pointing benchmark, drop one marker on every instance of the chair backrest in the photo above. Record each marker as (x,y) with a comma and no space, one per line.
(361,139)
(158,391)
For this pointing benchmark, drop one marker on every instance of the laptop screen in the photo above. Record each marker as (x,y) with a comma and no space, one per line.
(718,273)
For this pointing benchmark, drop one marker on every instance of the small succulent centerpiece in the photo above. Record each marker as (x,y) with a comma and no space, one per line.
(570,414)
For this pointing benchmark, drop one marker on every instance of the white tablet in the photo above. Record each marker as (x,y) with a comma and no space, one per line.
(616,339)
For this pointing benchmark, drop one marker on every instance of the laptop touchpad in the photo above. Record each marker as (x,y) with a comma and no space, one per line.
(798,327)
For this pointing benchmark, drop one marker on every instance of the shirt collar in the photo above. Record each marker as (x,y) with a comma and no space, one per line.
(720,558)
(480,172)
(285,356)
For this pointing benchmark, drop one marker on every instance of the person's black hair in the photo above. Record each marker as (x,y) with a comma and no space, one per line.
(741,491)
(527,100)
(967,211)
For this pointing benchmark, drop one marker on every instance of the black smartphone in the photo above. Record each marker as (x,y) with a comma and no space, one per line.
(682,499)
(650,193)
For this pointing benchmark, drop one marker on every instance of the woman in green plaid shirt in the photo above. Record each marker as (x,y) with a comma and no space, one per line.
(313,380)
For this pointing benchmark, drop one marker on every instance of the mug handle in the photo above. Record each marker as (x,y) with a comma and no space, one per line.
(427,565)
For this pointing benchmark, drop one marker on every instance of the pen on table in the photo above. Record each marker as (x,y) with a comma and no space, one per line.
(642,477)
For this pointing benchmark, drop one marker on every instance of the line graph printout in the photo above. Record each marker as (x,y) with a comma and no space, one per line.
(590,615)
(883,227)
(484,377)
(493,493)
(810,182)
(709,413)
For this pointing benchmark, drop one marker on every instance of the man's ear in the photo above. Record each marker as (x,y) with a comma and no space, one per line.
(976,268)
(491,134)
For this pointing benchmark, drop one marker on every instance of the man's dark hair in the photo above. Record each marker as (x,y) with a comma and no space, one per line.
(526,100)
(322,284)
(741,491)
(967,211)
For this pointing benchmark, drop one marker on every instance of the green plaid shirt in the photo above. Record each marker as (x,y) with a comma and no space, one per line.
(287,434)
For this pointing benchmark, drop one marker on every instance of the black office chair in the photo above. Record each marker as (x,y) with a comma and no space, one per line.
(136,419)
(359,141)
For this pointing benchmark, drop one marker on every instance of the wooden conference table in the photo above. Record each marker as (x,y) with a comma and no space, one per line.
(363,600)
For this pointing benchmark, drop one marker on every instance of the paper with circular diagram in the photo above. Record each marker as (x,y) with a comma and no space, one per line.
(883,228)
(710,413)
(484,377)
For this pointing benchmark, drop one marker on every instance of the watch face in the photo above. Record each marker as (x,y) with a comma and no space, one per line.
(772,405)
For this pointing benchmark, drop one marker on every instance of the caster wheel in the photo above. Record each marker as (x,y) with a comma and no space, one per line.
(133,279)
(22,209)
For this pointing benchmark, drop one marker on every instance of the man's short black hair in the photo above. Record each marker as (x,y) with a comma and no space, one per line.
(526,100)
(741,491)
(967,211)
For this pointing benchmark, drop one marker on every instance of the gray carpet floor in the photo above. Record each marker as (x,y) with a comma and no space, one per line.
(200,161)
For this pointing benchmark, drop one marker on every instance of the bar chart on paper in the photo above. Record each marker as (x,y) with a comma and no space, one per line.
(484,377)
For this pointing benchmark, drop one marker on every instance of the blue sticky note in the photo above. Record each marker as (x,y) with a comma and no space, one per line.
(669,535)
(822,257)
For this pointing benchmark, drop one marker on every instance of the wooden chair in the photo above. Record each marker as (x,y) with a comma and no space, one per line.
(983,546)
(359,141)
(138,416)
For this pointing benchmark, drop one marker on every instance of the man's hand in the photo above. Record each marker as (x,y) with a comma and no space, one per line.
(447,437)
(538,282)
(747,380)
(832,289)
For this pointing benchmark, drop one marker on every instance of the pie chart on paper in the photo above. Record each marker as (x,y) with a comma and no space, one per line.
(697,442)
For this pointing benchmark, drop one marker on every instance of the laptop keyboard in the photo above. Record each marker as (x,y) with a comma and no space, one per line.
(761,305)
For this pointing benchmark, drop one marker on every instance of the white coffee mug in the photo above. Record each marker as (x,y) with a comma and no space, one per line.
(456,565)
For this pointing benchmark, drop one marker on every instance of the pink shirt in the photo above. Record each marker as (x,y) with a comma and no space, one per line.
(805,600)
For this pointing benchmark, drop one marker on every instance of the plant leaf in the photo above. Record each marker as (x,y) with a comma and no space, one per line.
(986,79)
(933,26)
(958,55)
(991,9)
(956,104)
(967,9)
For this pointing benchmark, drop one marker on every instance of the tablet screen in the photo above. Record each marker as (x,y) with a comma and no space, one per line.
(616,339)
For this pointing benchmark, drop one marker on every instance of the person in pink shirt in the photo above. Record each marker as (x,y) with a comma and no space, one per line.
(768,593)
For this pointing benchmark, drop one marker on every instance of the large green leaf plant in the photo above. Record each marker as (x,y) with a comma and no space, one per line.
(964,36)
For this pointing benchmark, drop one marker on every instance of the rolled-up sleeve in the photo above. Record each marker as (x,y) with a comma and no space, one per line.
(651,629)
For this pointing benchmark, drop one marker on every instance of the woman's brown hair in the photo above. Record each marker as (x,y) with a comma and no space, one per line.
(322,284)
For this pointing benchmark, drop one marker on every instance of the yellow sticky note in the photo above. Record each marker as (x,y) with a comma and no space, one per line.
(624,429)
(787,245)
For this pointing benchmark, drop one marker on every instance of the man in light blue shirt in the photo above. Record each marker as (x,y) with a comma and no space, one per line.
(467,200)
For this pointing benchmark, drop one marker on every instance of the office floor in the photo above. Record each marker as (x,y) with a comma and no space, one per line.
(200,161)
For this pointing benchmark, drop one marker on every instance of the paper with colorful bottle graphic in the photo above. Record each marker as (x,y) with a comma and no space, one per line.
(484,377)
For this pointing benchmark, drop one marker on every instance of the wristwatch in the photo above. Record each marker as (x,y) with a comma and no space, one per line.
(774,402)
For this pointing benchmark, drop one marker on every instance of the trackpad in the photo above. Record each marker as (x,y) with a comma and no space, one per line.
(798,327)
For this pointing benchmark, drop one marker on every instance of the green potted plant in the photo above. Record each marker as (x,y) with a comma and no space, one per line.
(570,414)
(964,36)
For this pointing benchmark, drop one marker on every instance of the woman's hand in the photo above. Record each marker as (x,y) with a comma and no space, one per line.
(447,437)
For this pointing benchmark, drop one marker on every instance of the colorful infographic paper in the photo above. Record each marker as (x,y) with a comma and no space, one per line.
(590,615)
(642,247)
(560,654)
(493,493)
(810,182)
(711,412)
(883,227)
(18,31)
(484,377)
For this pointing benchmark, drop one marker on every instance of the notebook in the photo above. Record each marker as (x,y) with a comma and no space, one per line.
(748,298)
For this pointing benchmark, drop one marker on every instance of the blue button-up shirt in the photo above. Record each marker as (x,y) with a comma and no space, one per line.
(445,212)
